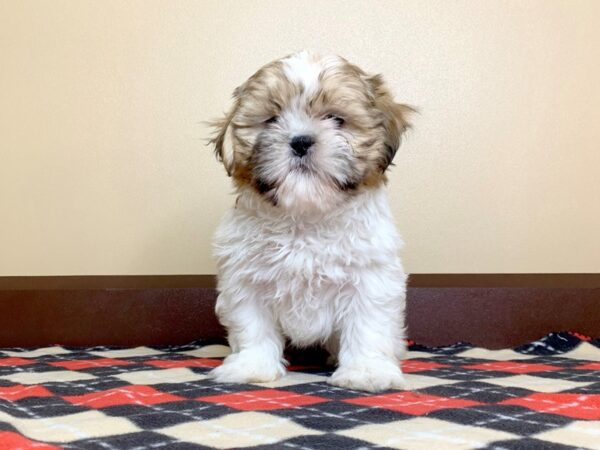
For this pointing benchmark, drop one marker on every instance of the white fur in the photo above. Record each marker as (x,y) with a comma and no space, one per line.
(302,69)
(332,277)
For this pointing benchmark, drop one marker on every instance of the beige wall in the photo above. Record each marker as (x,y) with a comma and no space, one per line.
(103,168)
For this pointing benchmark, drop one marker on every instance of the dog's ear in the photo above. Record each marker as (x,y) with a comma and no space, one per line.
(395,118)
(222,139)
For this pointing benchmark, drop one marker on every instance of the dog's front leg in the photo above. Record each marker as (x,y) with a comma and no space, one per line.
(371,341)
(256,343)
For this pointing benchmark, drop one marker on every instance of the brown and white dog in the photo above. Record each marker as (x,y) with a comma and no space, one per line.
(310,251)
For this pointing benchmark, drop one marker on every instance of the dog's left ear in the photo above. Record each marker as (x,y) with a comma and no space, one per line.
(395,118)
(221,139)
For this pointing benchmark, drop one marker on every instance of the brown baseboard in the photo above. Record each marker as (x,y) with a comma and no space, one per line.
(492,310)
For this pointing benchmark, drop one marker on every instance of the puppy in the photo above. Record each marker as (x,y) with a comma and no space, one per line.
(310,251)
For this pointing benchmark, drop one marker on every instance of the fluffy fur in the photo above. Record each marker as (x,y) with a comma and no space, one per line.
(310,251)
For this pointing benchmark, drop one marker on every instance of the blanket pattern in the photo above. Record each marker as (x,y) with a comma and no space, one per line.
(543,395)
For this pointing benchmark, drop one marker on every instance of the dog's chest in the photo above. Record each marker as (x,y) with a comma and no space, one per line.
(296,254)
(307,285)
(306,273)
(285,254)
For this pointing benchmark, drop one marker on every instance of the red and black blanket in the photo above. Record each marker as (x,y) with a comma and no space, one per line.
(544,395)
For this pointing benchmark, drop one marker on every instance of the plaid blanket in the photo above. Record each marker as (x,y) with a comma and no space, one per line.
(544,395)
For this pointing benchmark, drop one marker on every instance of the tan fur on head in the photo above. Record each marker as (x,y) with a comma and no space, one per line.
(351,116)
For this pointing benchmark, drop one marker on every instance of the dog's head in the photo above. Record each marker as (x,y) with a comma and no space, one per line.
(307,131)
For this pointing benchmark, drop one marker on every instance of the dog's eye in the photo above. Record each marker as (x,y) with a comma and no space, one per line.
(271,119)
(338,120)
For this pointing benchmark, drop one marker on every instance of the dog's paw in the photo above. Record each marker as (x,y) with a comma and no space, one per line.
(372,376)
(248,367)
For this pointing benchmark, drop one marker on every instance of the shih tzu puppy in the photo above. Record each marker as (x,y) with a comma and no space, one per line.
(309,253)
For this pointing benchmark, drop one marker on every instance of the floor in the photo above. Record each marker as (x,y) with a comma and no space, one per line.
(544,395)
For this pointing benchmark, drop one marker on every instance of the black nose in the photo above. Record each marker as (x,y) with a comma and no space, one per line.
(301,144)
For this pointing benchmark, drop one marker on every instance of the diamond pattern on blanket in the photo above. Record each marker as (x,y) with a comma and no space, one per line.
(159,376)
(12,440)
(126,395)
(579,406)
(589,366)
(19,391)
(238,430)
(8,362)
(545,394)
(413,403)
(536,383)
(581,434)
(263,400)
(36,353)
(70,427)
(81,364)
(425,434)
(415,366)
(177,363)
(126,352)
(46,377)
(293,378)
(416,381)
(208,351)
(495,355)
(512,367)
(512,419)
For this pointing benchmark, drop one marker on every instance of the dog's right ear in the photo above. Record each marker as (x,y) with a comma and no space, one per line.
(222,139)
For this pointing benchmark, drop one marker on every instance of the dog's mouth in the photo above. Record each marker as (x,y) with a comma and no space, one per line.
(303,165)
